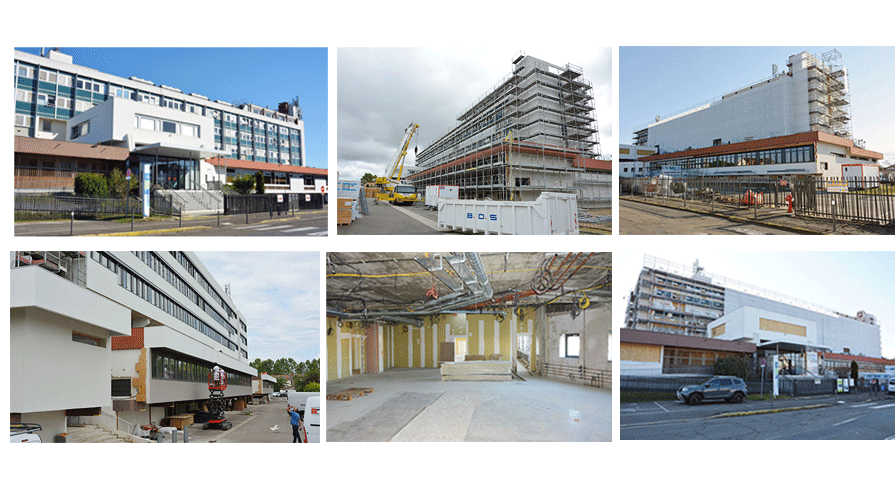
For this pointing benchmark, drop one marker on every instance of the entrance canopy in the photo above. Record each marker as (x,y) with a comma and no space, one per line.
(182,151)
(791,347)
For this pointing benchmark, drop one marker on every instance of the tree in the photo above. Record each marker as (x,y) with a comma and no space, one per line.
(119,185)
(731,366)
(312,386)
(259,182)
(243,184)
(367,178)
(91,185)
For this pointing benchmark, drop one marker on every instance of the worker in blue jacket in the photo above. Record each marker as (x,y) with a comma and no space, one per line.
(295,418)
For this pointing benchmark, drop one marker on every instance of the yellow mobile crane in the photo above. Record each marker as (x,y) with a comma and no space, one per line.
(393,190)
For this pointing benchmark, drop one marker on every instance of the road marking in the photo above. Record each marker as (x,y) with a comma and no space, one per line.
(321,233)
(270,228)
(848,421)
(861,405)
(883,406)
(300,229)
(659,406)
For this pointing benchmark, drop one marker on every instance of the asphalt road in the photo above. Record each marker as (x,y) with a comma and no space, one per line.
(388,219)
(867,417)
(264,423)
(637,218)
(301,223)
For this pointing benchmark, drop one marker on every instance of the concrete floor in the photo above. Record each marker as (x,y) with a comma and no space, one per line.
(415,405)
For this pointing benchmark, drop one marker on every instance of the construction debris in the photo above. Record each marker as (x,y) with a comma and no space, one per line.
(349,394)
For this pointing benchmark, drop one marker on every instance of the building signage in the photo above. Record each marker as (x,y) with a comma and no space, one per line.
(146,183)
(776,374)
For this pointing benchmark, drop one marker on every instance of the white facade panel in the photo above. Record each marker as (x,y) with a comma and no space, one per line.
(840,333)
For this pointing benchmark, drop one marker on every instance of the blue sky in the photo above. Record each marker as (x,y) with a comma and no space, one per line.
(663,80)
(262,76)
(847,282)
(279,294)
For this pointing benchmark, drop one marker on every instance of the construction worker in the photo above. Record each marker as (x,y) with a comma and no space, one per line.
(218,375)
(295,418)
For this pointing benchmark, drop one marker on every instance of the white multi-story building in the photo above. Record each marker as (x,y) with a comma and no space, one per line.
(669,300)
(797,121)
(118,338)
(534,131)
(189,141)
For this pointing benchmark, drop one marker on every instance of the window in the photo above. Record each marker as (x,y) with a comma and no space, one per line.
(169,127)
(121,387)
(26,96)
(86,339)
(569,346)
(26,71)
(46,100)
(48,76)
(23,120)
(46,126)
(80,130)
(145,123)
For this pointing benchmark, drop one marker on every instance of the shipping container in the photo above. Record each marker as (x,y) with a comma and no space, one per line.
(551,213)
(433,192)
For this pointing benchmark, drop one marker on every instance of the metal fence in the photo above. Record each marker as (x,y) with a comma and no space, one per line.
(580,374)
(52,206)
(237,204)
(787,385)
(870,200)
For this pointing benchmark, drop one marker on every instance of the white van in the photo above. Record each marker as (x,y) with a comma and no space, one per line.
(312,419)
(308,403)
(892,385)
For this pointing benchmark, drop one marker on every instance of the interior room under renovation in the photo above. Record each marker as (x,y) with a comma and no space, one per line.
(468,347)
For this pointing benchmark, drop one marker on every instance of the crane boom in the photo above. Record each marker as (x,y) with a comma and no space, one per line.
(397,163)
(395,191)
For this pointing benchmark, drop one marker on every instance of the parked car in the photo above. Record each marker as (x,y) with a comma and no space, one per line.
(892,386)
(24,433)
(718,388)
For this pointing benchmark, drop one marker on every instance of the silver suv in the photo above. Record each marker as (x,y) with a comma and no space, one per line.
(726,388)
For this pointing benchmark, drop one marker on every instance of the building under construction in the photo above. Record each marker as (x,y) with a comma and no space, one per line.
(534,131)
(797,121)
(460,346)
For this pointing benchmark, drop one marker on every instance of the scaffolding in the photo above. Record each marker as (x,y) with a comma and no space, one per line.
(829,101)
(535,130)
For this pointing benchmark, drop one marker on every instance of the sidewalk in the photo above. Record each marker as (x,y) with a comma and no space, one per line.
(771,217)
(153,226)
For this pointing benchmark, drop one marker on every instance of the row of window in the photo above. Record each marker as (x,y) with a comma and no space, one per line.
(166,273)
(187,264)
(692,300)
(141,288)
(181,368)
(774,156)
(166,126)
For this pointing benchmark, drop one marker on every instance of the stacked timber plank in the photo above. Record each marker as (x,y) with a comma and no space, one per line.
(482,370)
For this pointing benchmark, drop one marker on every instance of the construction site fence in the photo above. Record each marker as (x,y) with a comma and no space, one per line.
(867,200)
(577,373)
(237,204)
(52,206)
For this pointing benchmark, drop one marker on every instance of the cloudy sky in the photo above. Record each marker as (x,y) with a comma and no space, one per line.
(383,90)
(279,294)
(847,282)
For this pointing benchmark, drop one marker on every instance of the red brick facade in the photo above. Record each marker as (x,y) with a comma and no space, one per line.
(132,341)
